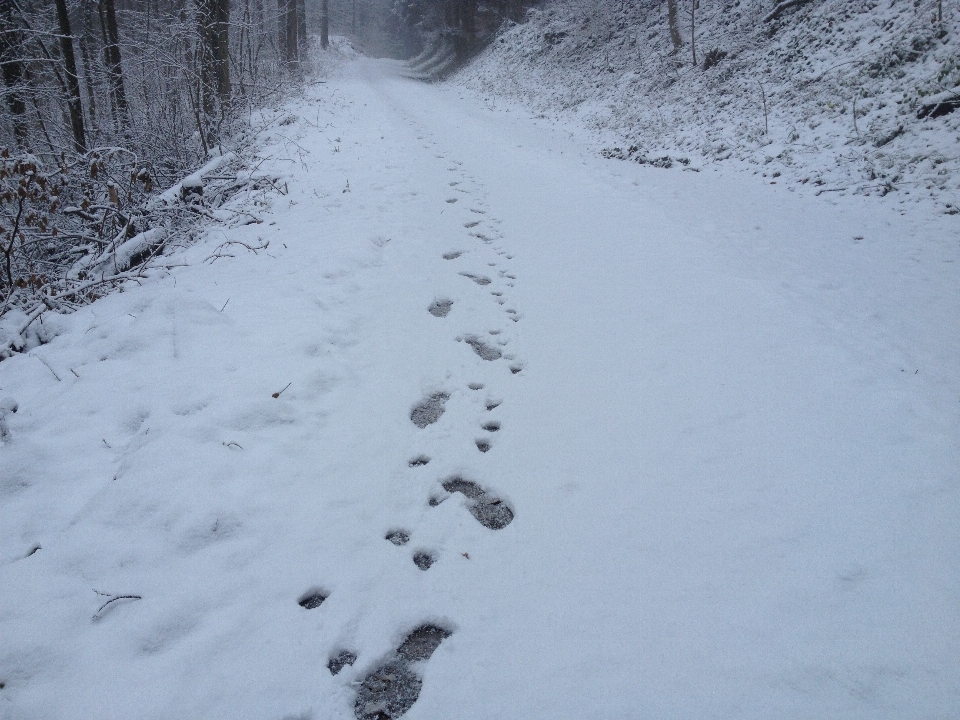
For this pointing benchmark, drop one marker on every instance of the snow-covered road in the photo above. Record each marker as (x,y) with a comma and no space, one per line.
(689,445)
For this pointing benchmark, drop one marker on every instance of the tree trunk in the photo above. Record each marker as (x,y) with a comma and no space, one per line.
(282,30)
(220,36)
(287,26)
(693,30)
(11,53)
(324,24)
(111,52)
(672,21)
(206,60)
(74,104)
(302,27)
(90,87)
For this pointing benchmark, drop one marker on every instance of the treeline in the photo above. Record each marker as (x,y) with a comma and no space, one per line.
(161,77)
(466,24)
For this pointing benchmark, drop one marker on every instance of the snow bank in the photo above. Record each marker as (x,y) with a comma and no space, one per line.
(826,94)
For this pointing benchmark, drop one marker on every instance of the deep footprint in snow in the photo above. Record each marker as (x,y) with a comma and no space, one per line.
(483,446)
(485,351)
(418,461)
(398,537)
(478,279)
(312,599)
(452,255)
(490,511)
(492,426)
(440,308)
(392,689)
(339,661)
(429,410)
(424,560)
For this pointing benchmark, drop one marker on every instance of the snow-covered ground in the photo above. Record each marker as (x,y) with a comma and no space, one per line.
(826,97)
(720,422)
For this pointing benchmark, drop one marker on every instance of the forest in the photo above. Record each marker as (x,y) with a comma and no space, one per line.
(108,103)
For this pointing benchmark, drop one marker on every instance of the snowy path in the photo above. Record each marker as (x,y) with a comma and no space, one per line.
(697,455)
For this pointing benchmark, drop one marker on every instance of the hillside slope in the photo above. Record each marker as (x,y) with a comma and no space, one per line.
(828,94)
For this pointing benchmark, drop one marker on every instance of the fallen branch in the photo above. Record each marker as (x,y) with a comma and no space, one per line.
(113,599)
(784,5)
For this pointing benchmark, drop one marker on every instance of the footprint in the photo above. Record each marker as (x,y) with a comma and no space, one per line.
(392,689)
(419,461)
(452,255)
(312,599)
(492,426)
(482,349)
(471,224)
(491,512)
(422,643)
(475,386)
(398,537)
(429,410)
(424,560)
(440,308)
(451,201)
(491,404)
(478,279)
(339,661)
(483,446)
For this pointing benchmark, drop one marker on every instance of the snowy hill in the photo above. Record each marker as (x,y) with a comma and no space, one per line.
(828,94)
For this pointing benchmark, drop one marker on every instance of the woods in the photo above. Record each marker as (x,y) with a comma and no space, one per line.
(105,103)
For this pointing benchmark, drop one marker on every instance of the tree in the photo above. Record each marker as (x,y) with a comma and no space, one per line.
(11,42)
(324,24)
(111,53)
(672,22)
(74,104)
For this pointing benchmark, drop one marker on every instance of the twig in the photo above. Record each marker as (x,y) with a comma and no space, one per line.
(225,305)
(233,444)
(278,394)
(766,122)
(855,128)
(113,599)
(48,367)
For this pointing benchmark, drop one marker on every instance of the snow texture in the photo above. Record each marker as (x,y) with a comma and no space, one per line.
(723,437)
(830,96)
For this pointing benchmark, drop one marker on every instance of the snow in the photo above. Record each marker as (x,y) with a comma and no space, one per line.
(826,97)
(724,419)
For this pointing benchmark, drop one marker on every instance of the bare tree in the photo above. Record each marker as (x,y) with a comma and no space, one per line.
(74,104)
(111,52)
(324,24)
(693,29)
(11,42)
(672,22)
